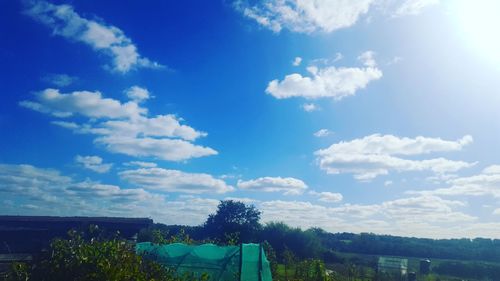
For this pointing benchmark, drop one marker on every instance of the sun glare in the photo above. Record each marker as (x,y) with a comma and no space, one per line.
(479,21)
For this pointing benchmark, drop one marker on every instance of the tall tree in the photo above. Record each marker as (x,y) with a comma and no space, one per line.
(235,220)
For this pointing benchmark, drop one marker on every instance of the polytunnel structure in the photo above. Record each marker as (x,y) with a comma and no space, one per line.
(246,262)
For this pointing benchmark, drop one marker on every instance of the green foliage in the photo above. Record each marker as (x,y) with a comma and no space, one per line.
(472,270)
(162,236)
(303,244)
(271,257)
(306,270)
(231,218)
(78,258)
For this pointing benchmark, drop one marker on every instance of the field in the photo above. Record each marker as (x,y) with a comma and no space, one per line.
(361,267)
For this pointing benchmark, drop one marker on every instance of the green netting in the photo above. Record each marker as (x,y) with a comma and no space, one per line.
(246,262)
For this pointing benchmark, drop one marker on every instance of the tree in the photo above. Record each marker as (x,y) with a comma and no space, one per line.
(233,219)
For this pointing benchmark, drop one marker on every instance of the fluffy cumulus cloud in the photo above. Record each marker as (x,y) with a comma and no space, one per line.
(122,127)
(289,186)
(93,163)
(329,197)
(486,183)
(164,180)
(327,82)
(137,93)
(305,16)
(377,155)
(104,38)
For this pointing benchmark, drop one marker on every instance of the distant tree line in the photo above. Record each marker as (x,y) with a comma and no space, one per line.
(236,222)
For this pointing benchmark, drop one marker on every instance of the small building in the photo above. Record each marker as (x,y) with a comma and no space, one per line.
(425,266)
(31,234)
(393,266)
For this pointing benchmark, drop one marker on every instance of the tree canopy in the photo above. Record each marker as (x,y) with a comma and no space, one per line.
(233,220)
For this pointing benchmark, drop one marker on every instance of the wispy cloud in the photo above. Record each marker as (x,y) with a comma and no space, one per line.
(305,16)
(322,133)
(59,80)
(413,7)
(309,107)
(102,37)
(141,164)
(486,183)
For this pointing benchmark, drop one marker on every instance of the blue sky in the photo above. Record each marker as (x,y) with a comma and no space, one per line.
(365,116)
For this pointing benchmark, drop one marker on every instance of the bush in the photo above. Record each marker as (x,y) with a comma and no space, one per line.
(78,258)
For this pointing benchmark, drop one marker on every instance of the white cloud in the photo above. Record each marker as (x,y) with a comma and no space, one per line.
(85,103)
(93,163)
(328,197)
(486,183)
(376,155)
(413,7)
(388,183)
(30,190)
(305,16)
(491,170)
(122,127)
(297,61)
(137,93)
(327,61)
(309,107)
(104,38)
(59,80)
(165,149)
(243,200)
(141,164)
(322,133)
(395,60)
(421,216)
(164,180)
(66,125)
(367,58)
(54,192)
(327,82)
(159,126)
(289,186)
